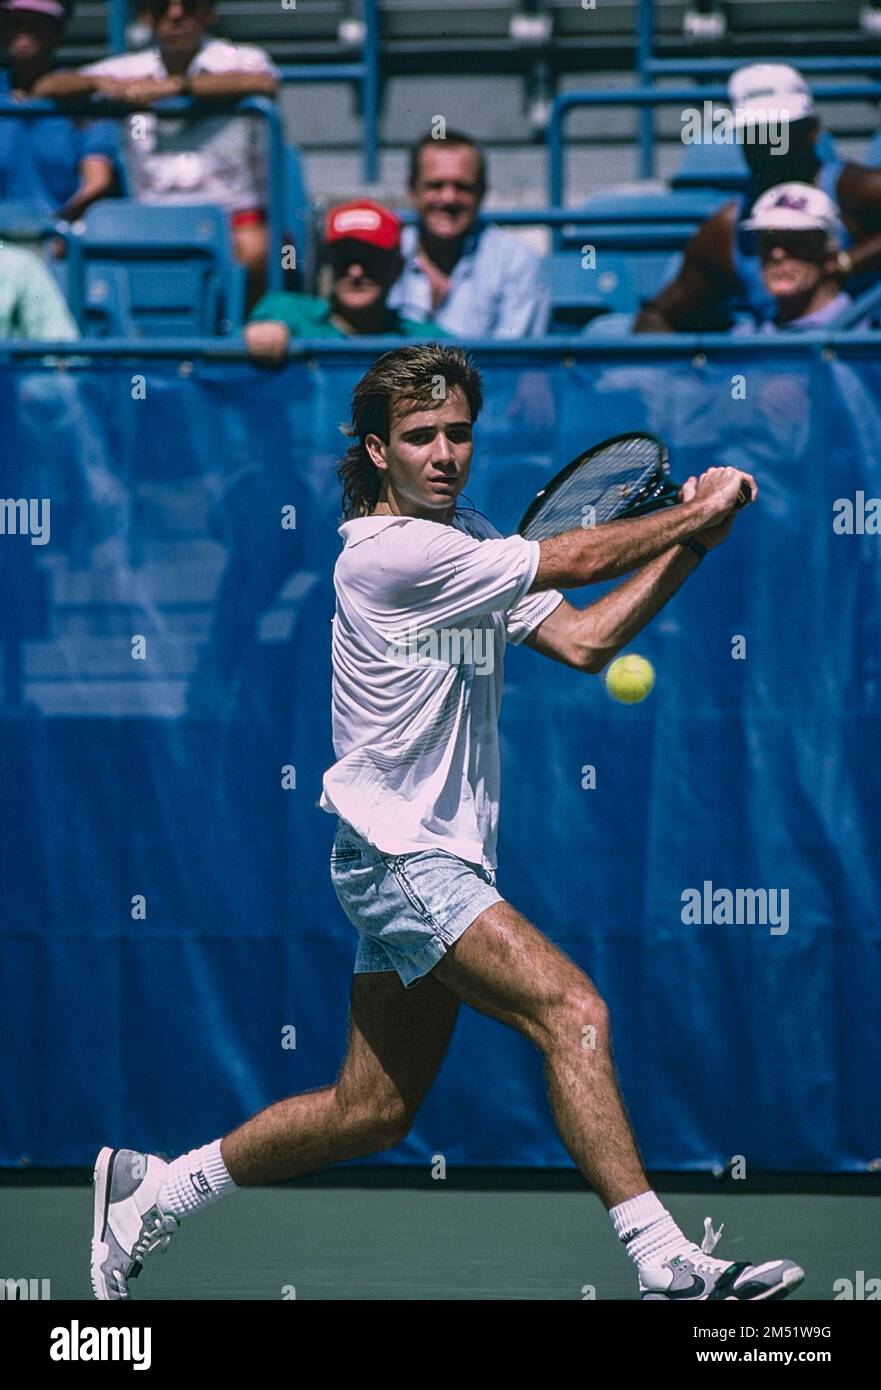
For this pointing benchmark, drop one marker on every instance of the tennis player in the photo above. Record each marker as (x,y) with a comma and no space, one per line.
(428,594)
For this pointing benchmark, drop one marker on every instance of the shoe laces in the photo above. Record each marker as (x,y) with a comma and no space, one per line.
(157,1229)
(701,1256)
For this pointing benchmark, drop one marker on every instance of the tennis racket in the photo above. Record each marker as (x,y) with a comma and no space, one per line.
(627,475)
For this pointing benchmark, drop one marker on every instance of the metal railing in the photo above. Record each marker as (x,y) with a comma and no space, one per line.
(648,97)
(649,67)
(699,348)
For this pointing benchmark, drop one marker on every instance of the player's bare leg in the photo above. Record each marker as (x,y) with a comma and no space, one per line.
(504,967)
(397,1041)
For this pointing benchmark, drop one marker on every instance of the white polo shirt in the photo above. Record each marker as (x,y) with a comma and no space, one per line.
(423,614)
(215,159)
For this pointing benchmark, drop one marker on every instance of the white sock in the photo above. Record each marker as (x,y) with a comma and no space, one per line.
(648,1231)
(195,1180)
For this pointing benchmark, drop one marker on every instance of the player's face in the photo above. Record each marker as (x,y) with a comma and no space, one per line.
(447,193)
(793,263)
(427,459)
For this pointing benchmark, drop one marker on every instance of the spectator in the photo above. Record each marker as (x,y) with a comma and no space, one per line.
(476,281)
(31,304)
(204,159)
(719,260)
(362,253)
(58,164)
(796,229)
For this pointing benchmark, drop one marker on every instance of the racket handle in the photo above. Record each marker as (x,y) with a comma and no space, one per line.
(745,496)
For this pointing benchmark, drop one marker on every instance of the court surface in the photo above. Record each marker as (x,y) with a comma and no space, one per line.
(430,1240)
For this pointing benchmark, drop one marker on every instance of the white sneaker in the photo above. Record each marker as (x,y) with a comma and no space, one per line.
(128,1222)
(695,1275)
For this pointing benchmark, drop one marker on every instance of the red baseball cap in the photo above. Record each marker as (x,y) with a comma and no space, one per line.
(363,220)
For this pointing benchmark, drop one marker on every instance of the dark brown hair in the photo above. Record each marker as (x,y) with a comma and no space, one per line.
(399,382)
(452,139)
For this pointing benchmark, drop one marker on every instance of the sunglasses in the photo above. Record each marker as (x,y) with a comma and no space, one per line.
(157,8)
(374,261)
(803,245)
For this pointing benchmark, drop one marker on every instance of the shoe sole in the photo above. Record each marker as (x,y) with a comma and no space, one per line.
(103,1177)
(790,1281)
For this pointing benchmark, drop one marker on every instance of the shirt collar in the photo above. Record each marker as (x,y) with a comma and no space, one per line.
(819,316)
(193,61)
(410,243)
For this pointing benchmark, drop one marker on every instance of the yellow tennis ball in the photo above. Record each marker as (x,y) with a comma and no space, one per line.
(629,679)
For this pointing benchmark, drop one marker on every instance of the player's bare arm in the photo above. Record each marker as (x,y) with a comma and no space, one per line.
(591,555)
(589,638)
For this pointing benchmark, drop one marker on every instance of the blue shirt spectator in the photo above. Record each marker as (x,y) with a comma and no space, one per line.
(58,163)
(471,278)
(497,287)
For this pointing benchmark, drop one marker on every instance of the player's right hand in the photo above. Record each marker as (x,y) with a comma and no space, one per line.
(721,489)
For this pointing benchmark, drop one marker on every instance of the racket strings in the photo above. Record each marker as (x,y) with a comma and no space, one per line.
(601,485)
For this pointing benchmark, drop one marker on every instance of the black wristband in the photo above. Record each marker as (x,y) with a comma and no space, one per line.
(696,547)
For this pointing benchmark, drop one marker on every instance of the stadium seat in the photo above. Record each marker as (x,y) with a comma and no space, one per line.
(159,271)
(872,156)
(579,293)
(20,221)
(708,166)
(107,309)
(641,224)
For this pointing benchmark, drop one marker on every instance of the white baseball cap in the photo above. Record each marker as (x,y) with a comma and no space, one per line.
(796,207)
(768,92)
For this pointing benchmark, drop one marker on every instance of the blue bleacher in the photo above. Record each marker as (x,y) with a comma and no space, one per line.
(22,221)
(873,153)
(149,271)
(707,166)
(580,293)
(639,236)
(611,291)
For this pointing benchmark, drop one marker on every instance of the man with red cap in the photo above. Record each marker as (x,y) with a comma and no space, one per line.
(362,260)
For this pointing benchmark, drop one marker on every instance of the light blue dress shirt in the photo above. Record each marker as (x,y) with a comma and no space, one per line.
(498,288)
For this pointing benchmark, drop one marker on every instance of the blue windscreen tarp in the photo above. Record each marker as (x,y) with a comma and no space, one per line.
(167,657)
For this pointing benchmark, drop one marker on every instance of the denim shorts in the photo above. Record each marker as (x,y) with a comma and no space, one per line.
(408,909)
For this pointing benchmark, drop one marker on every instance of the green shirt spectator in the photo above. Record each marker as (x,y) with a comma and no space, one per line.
(31,304)
(362,256)
(308,316)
